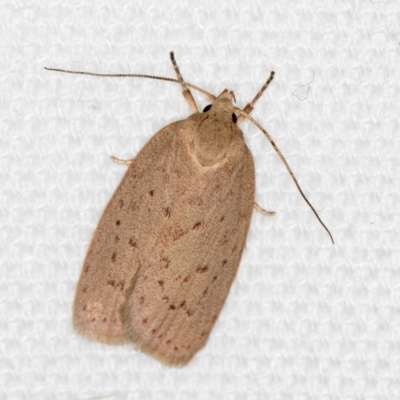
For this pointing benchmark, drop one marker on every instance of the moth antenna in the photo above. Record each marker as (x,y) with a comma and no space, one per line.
(250,106)
(160,78)
(258,125)
(187,94)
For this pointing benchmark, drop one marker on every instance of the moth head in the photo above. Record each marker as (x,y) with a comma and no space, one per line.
(222,106)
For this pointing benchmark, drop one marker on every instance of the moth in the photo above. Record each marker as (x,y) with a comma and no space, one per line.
(168,245)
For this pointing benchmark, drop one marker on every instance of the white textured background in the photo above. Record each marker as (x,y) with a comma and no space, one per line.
(304,319)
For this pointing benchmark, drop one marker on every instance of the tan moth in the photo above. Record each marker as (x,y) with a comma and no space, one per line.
(168,245)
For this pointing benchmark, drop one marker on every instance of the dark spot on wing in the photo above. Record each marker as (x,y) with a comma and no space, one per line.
(117,284)
(132,242)
(196,226)
(165,262)
(167,211)
(202,269)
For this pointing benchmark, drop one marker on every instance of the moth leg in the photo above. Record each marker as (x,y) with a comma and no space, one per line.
(262,211)
(187,94)
(119,161)
(250,106)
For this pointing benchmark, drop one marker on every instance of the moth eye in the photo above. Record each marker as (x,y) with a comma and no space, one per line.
(206,108)
(234,118)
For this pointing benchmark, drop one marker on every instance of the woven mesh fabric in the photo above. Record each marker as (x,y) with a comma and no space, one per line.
(304,319)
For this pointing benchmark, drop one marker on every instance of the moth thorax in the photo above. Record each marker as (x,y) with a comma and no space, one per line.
(213,137)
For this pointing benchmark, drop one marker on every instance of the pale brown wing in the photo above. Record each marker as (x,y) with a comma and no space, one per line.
(125,235)
(177,294)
